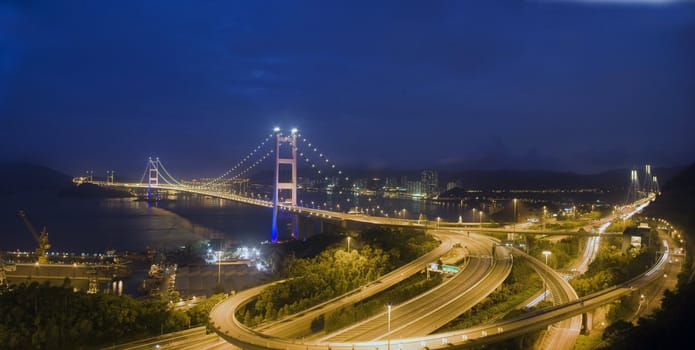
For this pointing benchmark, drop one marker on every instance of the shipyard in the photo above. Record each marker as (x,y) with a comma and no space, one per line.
(91,273)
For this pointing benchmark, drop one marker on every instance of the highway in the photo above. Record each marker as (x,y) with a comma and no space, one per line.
(563,334)
(432,310)
(195,339)
(299,324)
(233,331)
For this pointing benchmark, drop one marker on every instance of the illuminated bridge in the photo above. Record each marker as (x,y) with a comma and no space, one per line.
(289,151)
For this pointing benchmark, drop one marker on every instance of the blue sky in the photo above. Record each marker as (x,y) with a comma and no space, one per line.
(563,85)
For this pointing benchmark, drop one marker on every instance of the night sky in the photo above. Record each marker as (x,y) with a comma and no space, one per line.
(581,86)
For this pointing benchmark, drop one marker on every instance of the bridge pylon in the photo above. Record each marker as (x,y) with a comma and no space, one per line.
(283,160)
(633,190)
(153,171)
(153,175)
(110,175)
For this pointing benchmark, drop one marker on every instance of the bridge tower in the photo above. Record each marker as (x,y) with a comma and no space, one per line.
(647,185)
(110,177)
(633,190)
(153,170)
(153,175)
(283,160)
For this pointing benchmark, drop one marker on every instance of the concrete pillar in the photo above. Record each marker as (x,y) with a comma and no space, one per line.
(587,322)
(305,227)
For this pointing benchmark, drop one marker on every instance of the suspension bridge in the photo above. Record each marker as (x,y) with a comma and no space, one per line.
(288,151)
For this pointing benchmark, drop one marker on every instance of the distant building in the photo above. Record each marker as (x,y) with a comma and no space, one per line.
(430,182)
(391,182)
(451,185)
(414,188)
(360,184)
(404,181)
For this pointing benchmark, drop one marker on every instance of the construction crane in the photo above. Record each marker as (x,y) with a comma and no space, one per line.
(42,239)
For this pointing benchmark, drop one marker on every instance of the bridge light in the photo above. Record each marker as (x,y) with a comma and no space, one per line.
(294,131)
(276,129)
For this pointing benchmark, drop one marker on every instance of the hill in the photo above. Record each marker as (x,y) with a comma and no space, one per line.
(23,177)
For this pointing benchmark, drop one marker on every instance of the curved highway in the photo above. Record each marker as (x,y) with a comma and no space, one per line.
(230,329)
(563,334)
(430,311)
(299,324)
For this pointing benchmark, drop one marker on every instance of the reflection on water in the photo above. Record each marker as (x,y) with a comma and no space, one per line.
(95,225)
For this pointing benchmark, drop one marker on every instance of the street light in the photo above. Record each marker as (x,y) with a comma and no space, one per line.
(481,219)
(473,215)
(546,253)
(514,225)
(219,266)
(388,335)
(545,286)
(348,244)
(438,219)
(544,214)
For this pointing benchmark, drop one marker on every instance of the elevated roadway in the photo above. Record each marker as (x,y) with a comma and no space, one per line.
(358,218)
(233,331)
(432,310)
(299,324)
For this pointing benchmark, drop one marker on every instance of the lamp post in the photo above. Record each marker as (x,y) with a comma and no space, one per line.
(545,286)
(388,335)
(544,214)
(219,266)
(438,219)
(514,225)
(481,219)
(348,244)
(546,253)
(473,214)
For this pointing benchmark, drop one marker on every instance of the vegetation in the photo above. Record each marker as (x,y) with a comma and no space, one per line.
(402,246)
(611,267)
(39,316)
(521,284)
(620,225)
(199,313)
(314,280)
(334,272)
(564,225)
(562,252)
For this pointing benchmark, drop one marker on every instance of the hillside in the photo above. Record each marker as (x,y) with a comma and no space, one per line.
(24,177)
(670,327)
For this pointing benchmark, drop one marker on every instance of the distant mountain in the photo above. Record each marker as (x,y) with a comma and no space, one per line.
(22,177)
(524,179)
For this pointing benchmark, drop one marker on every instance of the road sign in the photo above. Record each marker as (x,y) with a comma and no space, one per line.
(450,268)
